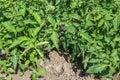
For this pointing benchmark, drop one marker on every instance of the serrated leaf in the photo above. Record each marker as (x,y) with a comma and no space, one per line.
(107,39)
(70,28)
(50,7)
(29,21)
(97,68)
(100,23)
(9,26)
(42,72)
(40,53)
(41,43)
(32,57)
(117,39)
(55,39)
(14,60)
(51,19)
(116,22)
(11,70)
(18,41)
(98,17)
(9,77)
(100,43)
(36,31)
(95,60)
(74,16)
(112,71)
(1,45)
(27,63)
(89,23)
(34,75)
(19,29)
(88,17)
(37,17)
(92,49)
(22,10)
(101,55)
(86,36)
(106,61)
(85,61)
(57,2)
(76,24)
(108,17)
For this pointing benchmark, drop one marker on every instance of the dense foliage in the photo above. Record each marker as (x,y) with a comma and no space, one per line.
(88,28)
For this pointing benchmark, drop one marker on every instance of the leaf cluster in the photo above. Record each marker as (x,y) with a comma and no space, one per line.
(89,29)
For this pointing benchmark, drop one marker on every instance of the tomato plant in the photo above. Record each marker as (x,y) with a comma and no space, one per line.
(89,29)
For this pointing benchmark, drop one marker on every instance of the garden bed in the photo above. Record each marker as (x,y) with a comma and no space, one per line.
(59,67)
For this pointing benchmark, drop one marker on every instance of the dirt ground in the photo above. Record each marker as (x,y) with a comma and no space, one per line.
(58,67)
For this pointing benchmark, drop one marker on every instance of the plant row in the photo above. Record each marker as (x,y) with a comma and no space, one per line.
(89,29)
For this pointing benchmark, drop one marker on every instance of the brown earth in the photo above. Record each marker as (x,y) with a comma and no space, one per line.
(58,67)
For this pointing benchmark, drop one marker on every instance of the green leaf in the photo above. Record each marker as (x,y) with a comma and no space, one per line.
(42,72)
(29,21)
(50,7)
(22,10)
(37,17)
(106,61)
(57,2)
(88,24)
(85,61)
(11,70)
(92,49)
(18,41)
(55,39)
(19,29)
(2,78)
(9,26)
(100,23)
(116,22)
(108,17)
(40,53)
(32,57)
(34,75)
(112,71)
(15,60)
(74,16)
(95,60)
(36,31)
(27,63)
(117,39)
(2,62)
(86,36)
(41,43)
(27,49)
(70,28)
(100,43)
(97,68)
(51,19)
(98,17)
(101,55)
(1,45)
(9,77)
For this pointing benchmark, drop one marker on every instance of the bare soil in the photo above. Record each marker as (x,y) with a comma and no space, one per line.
(58,67)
